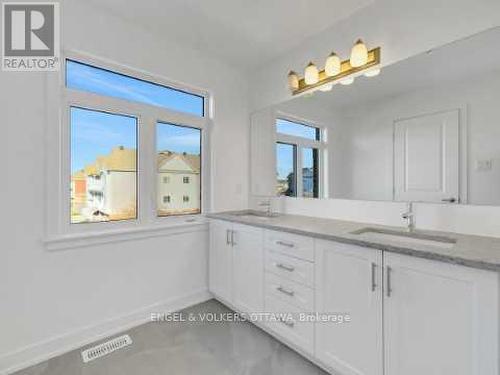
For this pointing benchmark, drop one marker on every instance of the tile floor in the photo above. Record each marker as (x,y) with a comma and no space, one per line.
(180,348)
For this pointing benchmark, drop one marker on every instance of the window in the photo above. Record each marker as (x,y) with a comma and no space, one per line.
(85,77)
(103,166)
(298,151)
(310,178)
(105,169)
(286,157)
(179,154)
(297,130)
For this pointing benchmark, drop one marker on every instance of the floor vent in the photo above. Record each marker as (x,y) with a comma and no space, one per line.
(106,348)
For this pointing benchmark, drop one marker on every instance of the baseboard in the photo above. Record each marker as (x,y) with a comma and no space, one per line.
(55,346)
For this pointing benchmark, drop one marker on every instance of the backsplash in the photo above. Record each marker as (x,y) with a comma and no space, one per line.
(466,219)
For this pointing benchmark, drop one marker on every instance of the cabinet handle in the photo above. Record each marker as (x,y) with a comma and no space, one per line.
(290,293)
(285,267)
(228,237)
(374,283)
(287,244)
(288,323)
(233,242)
(389,286)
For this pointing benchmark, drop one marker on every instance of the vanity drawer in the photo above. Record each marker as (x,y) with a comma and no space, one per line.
(284,320)
(291,244)
(290,268)
(289,292)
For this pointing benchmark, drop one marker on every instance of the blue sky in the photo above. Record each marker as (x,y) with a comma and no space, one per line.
(296,129)
(96,133)
(284,155)
(178,139)
(99,81)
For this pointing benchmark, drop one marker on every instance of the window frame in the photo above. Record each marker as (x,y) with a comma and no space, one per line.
(58,158)
(295,150)
(321,145)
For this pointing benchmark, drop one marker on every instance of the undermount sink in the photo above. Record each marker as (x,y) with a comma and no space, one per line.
(408,238)
(256,215)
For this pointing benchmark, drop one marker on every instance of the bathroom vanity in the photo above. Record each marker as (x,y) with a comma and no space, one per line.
(424,304)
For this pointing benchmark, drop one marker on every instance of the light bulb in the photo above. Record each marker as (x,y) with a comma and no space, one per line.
(311,74)
(359,54)
(332,65)
(372,72)
(293,80)
(347,81)
(326,88)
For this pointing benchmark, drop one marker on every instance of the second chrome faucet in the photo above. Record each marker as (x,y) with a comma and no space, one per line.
(409,216)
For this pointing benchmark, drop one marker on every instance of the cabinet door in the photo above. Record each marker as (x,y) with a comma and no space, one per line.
(439,318)
(349,280)
(220,260)
(248,266)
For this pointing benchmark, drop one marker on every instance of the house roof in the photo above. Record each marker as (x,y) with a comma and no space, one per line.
(119,159)
(193,161)
(124,159)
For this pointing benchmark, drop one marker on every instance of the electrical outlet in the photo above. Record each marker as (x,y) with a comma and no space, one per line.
(484,165)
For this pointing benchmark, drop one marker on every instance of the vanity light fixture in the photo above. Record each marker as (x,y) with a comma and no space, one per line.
(347,81)
(326,88)
(311,74)
(293,80)
(372,72)
(359,54)
(332,65)
(361,62)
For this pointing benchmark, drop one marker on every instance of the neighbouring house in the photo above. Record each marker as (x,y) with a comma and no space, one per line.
(110,187)
(308,182)
(78,192)
(178,189)
(106,189)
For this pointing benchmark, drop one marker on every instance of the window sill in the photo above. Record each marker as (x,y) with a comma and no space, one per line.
(70,241)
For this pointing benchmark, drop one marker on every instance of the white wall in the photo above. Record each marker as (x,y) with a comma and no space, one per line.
(52,301)
(403,28)
(368,130)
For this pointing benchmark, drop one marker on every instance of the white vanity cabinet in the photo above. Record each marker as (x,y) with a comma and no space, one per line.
(407,315)
(349,281)
(439,318)
(248,268)
(236,265)
(221,259)
(289,287)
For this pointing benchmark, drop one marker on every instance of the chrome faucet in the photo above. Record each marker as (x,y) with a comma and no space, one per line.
(267,204)
(409,216)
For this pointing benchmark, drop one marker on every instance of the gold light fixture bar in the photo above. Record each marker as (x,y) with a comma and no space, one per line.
(345,70)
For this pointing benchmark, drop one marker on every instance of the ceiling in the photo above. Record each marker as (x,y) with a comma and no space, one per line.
(454,62)
(245,33)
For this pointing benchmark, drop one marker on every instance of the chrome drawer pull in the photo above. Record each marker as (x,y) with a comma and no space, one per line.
(285,267)
(287,322)
(389,284)
(290,293)
(287,244)
(373,280)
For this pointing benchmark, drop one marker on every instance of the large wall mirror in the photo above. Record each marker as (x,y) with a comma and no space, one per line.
(426,129)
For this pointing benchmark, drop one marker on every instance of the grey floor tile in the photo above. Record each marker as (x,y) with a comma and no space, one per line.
(182,348)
